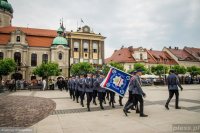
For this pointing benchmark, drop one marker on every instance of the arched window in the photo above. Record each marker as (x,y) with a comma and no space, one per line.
(85,46)
(141,56)
(1,55)
(33,59)
(18,39)
(17,58)
(45,58)
(95,47)
(60,56)
(76,46)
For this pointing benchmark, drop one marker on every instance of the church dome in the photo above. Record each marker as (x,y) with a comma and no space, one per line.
(60,40)
(4,5)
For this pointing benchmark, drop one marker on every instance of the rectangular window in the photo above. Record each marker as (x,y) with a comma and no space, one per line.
(75,49)
(1,55)
(94,50)
(45,58)
(33,59)
(18,39)
(85,50)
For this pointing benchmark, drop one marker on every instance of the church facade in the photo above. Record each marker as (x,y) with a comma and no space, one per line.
(30,47)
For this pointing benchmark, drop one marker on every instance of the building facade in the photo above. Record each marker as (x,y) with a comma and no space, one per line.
(30,47)
(129,56)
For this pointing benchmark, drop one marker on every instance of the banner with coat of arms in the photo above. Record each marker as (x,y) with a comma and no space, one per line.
(116,81)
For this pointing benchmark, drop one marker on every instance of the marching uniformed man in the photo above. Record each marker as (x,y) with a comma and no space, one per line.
(73,88)
(76,89)
(89,89)
(112,99)
(137,94)
(70,87)
(94,90)
(173,84)
(100,89)
(81,88)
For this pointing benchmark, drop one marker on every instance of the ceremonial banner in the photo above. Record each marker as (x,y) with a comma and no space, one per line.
(116,81)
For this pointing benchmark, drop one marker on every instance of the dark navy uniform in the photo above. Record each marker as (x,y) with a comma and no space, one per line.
(173,84)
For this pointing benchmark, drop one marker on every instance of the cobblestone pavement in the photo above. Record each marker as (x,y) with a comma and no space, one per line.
(23,111)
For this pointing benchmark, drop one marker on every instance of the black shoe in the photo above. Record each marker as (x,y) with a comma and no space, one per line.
(94,103)
(125,112)
(121,105)
(143,115)
(77,101)
(178,108)
(137,111)
(82,105)
(104,102)
(88,109)
(113,106)
(110,103)
(102,107)
(166,107)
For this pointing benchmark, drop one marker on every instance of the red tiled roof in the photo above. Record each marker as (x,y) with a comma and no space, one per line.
(182,54)
(4,38)
(123,56)
(193,51)
(163,57)
(30,31)
(35,37)
(34,41)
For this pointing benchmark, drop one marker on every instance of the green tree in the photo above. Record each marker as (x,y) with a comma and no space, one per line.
(81,68)
(179,69)
(47,69)
(7,66)
(117,65)
(139,66)
(193,70)
(159,69)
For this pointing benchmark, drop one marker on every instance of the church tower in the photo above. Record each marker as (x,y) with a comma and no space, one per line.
(6,13)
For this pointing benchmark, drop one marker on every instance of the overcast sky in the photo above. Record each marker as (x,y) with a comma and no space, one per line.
(147,23)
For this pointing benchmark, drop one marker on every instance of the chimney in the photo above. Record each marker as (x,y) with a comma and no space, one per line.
(151,49)
(170,47)
(122,47)
(177,48)
(130,48)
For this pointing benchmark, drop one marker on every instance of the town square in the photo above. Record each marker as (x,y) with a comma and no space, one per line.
(99,66)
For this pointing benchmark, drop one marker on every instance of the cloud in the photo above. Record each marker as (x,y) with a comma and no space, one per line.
(148,23)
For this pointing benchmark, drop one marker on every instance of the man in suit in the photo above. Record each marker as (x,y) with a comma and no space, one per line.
(173,84)
(89,89)
(76,89)
(81,88)
(137,94)
(94,90)
(100,89)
